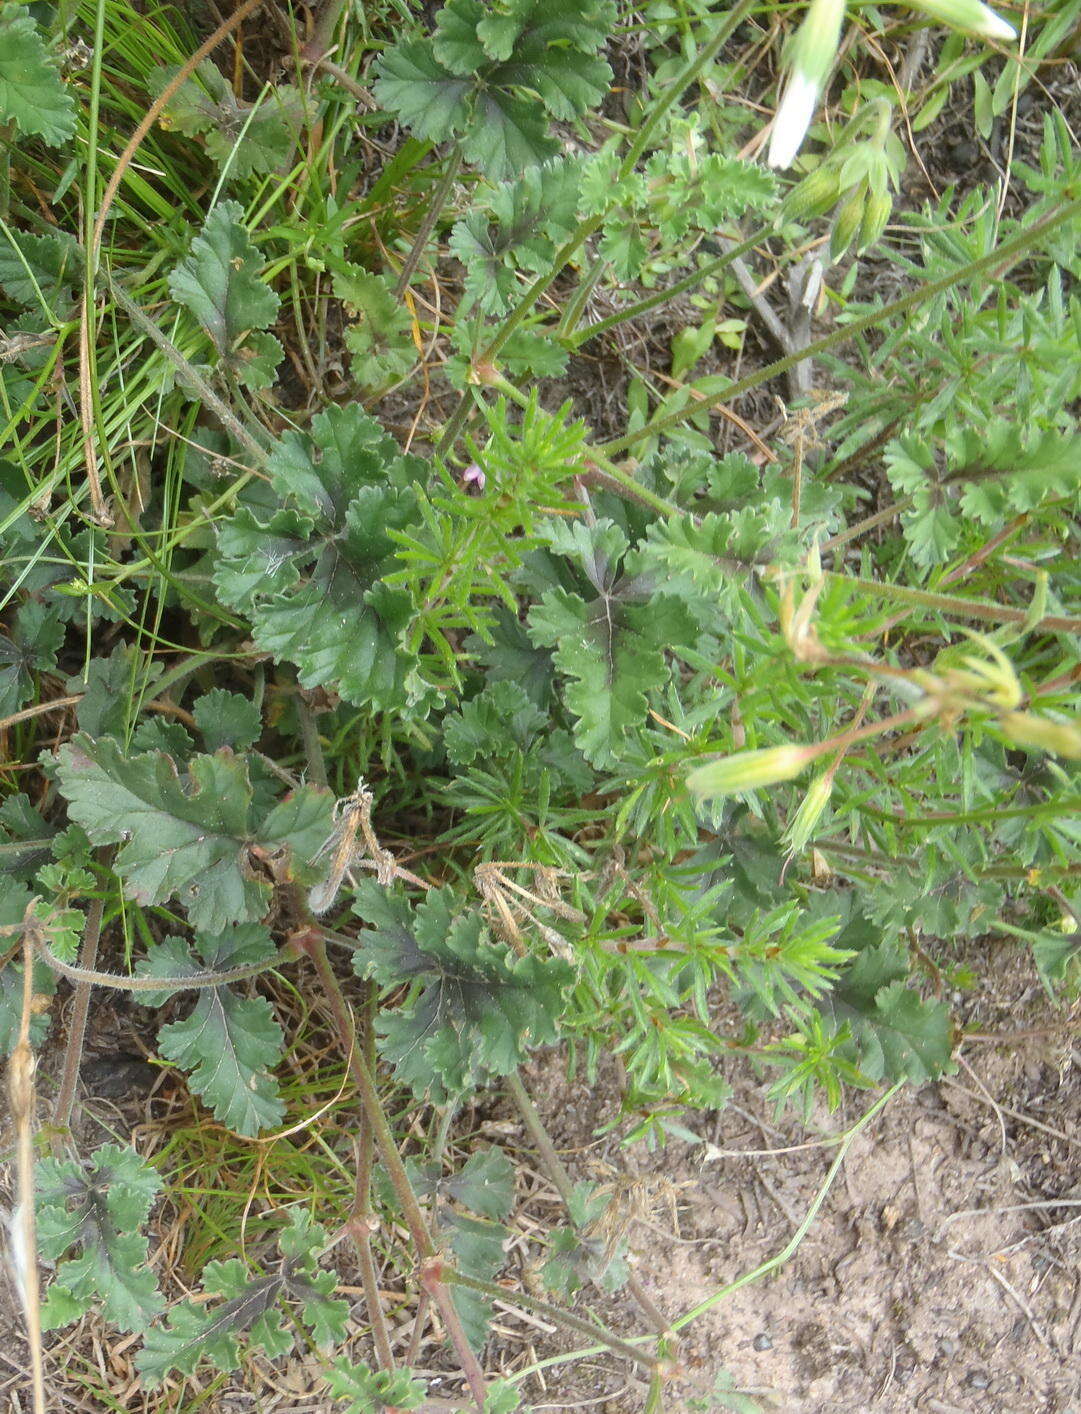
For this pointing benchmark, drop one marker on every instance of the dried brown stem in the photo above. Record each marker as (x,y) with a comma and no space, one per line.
(21,1098)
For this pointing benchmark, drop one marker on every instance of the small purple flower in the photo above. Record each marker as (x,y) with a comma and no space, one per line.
(473,479)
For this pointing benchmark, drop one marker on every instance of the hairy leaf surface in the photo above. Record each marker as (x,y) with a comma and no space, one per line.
(473,1007)
(99,1206)
(219,284)
(311,575)
(32,93)
(228,1043)
(188,836)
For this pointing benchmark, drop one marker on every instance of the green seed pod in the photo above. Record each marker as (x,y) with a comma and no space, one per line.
(802,825)
(876,212)
(847,221)
(748,770)
(815,195)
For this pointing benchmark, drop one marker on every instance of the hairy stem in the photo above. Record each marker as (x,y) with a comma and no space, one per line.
(564,1184)
(950,604)
(431,216)
(670,292)
(682,81)
(431,1262)
(553,1313)
(1001,258)
(80,1006)
(358,1220)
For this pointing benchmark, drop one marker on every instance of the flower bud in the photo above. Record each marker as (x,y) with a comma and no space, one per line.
(748,770)
(815,195)
(876,212)
(813,53)
(969,15)
(1026,729)
(802,825)
(847,222)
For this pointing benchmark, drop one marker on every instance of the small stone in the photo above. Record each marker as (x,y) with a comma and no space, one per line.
(978,1380)
(948,1345)
(762,1342)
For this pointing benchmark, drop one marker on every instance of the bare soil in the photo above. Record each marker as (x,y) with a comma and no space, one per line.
(943,1271)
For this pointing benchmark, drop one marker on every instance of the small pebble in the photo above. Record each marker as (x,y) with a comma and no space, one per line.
(948,1345)
(978,1380)
(762,1342)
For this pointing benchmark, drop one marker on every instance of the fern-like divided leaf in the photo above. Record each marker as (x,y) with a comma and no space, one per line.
(189,836)
(310,576)
(251,1307)
(472,1007)
(493,79)
(100,1207)
(228,1043)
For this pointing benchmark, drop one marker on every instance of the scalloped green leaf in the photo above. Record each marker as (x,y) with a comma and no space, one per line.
(229,1043)
(472,1008)
(248,137)
(188,835)
(495,79)
(99,1205)
(316,595)
(219,284)
(41,269)
(32,93)
(36,635)
(611,647)
(380,340)
(227,719)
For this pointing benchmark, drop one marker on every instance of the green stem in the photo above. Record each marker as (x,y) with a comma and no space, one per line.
(553,1164)
(431,216)
(432,1269)
(567,251)
(655,1397)
(1065,808)
(633,488)
(564,1184)
(88,351)
(553,1313)
(779,1259)
(981,609)
(670,292)
(358,1220)
(1004,256)
(309,736)
(80,1008)
(683,81)
(578,301)
(188,375)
